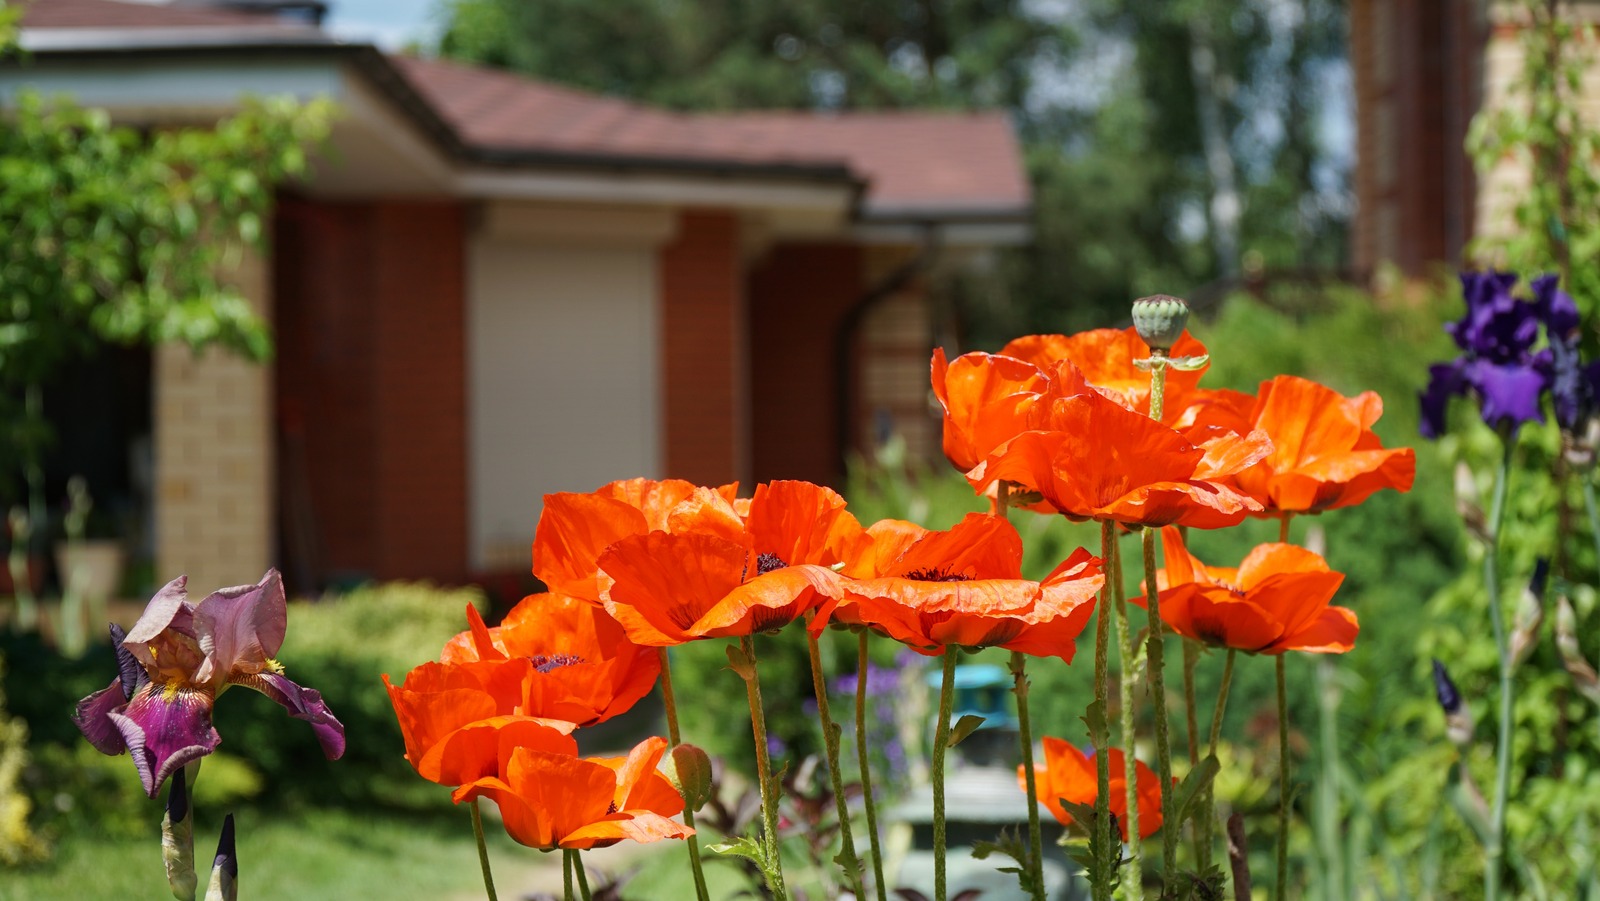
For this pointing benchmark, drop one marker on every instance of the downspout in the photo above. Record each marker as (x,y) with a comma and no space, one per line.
(844,335)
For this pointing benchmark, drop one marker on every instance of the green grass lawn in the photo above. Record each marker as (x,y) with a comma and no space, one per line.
(315,854)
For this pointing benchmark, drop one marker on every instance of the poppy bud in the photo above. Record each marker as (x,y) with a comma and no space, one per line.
(1159,320)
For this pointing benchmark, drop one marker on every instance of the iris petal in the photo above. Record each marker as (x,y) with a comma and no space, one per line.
(302,704)
(93,718)
(165,729)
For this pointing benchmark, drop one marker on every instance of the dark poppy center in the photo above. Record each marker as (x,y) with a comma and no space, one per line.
(936,574)
(544,663)
(768,562)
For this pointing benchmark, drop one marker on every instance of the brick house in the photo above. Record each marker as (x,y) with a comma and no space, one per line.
(493,288)
(1423,69)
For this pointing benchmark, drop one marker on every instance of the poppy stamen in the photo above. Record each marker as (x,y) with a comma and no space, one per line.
(544,663)
(936,574)
(768,562)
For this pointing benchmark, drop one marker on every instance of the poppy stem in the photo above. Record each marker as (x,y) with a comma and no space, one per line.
(1099,731)
(576,857)
(830,742)
(1130,733)
(941,738)
(1208,823)
(1035,861)
(1158,699)
(863,757)
(483,851)
(1494,853)
(1191,728)
(769,803)
(693,841)
(1283,783)
(566,874)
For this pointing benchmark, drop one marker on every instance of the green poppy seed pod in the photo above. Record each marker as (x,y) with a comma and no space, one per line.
(1160,319)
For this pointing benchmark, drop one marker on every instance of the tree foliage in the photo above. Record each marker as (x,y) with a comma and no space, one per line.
(120,235)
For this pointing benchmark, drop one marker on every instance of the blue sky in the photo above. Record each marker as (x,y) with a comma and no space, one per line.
(389,23)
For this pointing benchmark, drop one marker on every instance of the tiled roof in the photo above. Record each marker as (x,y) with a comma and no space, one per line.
(945,162)
(913,163)
(117,14)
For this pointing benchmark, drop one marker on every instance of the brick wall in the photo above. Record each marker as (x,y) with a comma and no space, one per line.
(213,460)
(372,390)
(895,343)
(799,296)
(703,365)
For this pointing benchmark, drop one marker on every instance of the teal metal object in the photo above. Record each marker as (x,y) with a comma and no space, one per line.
(982,689)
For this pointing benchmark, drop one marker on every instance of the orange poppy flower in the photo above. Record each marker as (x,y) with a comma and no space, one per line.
(550,800)
(1106,357)
(964,587)
(986,399)
(585,670)
(1276,601)
(719,573)
(1092,458)
(1324,453)
(454,716)
(575,529)
(1067,774)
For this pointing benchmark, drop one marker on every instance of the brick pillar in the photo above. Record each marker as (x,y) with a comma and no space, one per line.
(894,346)
(213,457)
(704,372)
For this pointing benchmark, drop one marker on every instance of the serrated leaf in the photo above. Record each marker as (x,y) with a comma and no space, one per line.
(1189,364)
(963,728)
(689,770)
(741,663)
(1195,783)
(741,847)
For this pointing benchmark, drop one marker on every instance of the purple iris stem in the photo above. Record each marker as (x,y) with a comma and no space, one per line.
(177,839)
(225,868)
(693,842)
(830,742)
(483,850)
(1101,871)
(1494,854)
(863,758)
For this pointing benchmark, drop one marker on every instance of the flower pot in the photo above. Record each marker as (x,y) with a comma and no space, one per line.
(93,567)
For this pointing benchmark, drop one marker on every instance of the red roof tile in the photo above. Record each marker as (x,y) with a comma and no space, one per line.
(945,162)
(116,14)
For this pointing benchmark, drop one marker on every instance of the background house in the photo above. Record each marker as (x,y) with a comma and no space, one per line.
(492,289)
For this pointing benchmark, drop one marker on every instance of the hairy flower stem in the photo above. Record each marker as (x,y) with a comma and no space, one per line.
(941,739)
(1191,728)
(1158,696)
(1328,804)
(1208,819)
(1130,737)
(576,858)
(1100,875)
(693,841)
(1283,785)
(483,852)
(566,876)
(863,758)
(830,742)
(1494,854)
(769,803)
(1154,654)
(1035,861)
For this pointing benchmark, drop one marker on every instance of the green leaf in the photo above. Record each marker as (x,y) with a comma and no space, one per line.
(741,663)
(1095,718)
(963,728)
(1195,783)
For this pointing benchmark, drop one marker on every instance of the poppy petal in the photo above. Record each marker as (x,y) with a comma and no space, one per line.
(1334,631)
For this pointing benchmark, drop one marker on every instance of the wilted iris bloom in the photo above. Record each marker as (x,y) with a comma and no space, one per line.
(176,660)
(1499,365)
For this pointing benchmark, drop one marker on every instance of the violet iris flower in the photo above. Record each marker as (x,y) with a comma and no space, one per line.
(1498,364)
(176,660)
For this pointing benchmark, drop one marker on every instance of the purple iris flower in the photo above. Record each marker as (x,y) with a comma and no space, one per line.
(1498,364)
(176,660)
